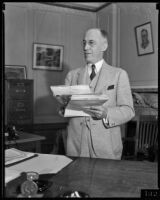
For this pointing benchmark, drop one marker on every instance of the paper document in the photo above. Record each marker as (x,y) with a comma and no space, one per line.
(10,174)
(14,155)
(82,101)
(81,97)
(70,90)
(78,104)
(71,111)
(43,164)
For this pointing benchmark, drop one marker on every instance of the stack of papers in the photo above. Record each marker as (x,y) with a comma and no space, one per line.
(82,101)
(81,98)
(70,90)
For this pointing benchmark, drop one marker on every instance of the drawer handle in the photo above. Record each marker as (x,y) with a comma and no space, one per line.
(21,91)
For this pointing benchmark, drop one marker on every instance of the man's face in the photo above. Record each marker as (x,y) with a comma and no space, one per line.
(94,45)
(144,35)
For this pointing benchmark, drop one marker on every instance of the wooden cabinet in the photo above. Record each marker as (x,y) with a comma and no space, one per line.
(19,104)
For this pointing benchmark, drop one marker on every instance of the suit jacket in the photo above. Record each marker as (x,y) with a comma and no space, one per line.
(87,137)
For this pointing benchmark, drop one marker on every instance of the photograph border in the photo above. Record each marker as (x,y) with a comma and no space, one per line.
(140,50)
(20,71)
(48,59)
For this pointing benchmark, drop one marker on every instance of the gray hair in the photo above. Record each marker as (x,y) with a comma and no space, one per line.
(104,33)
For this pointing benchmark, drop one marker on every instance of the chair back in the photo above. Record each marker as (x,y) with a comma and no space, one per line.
(146,132)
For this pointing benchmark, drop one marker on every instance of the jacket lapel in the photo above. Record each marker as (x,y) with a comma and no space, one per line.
(82,76)
(99,81)
(103,78)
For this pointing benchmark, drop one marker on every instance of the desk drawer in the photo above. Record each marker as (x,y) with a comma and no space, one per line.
(20,111)
(19,90)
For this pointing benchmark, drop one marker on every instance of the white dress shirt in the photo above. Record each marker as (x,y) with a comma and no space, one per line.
(98,66)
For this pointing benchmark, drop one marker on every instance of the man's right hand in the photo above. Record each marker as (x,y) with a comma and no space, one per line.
(63,99)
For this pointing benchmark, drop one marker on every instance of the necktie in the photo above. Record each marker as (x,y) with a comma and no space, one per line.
(93,73)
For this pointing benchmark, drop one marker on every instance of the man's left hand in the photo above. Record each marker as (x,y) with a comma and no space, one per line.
(97,112)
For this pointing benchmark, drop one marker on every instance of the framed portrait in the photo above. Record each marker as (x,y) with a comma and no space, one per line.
(47,57)
(15,72)
(144,39)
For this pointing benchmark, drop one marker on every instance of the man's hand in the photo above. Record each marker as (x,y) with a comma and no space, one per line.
(97,112)
(61,111)
(63,99)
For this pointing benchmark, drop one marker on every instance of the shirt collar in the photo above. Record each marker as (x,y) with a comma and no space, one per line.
(98,66)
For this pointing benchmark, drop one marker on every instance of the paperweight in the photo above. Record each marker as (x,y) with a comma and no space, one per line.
(29,188)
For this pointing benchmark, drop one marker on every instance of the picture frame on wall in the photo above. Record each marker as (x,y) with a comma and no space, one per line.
(144,39)
(47,57)
(15,72)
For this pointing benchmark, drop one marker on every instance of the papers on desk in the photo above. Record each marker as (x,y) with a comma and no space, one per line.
(14,155)
(81,97)
(42,164)
(10,174)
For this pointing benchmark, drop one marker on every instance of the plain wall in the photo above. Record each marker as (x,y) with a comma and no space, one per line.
(107,19)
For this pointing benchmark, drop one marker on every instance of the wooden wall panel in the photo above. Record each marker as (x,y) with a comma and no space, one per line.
(15,36)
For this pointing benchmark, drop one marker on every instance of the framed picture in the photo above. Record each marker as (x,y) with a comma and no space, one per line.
(15,72)
(48,57)
(144,39)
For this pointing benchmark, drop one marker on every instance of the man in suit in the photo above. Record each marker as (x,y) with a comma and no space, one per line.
(99,135)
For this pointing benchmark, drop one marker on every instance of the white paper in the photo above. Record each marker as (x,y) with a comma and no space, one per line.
(78,103)
(43,164)
(70,90)
(13,155)
(82,101)
(71,111)
(81,98)
(10,174)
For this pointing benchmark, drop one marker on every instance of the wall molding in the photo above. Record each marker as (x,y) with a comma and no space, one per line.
(145,89)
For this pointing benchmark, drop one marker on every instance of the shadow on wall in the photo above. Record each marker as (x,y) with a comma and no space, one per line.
(47,105)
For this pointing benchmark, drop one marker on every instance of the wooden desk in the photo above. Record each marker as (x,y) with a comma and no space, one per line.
(24,138)
(99,178)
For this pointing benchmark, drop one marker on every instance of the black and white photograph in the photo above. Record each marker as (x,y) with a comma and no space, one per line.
(15,72)
(48,57)
(144,39)
(80,100)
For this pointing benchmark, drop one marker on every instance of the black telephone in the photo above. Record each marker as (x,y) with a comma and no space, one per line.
(12,133)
